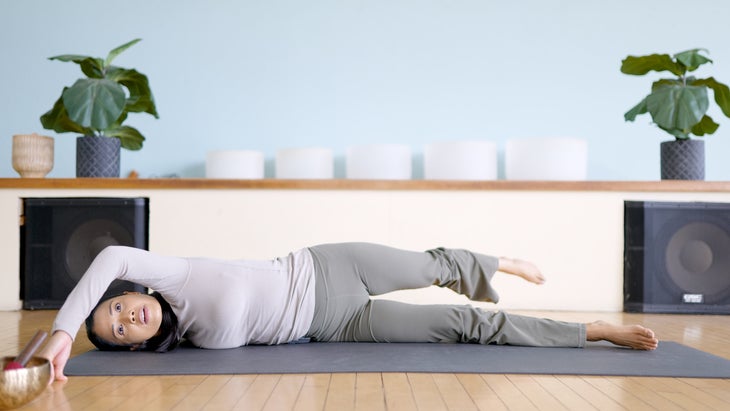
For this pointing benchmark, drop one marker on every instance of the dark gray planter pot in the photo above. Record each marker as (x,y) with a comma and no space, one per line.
(97,156)
(683,160)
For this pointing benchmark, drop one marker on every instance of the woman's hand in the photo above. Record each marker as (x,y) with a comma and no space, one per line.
(57,351)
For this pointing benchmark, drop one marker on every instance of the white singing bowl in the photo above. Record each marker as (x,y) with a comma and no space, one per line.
(304,163)
(560,158)
(460,160)
(234,164)
(379,162)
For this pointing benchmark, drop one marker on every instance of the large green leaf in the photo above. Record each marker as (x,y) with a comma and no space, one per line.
(56,119)
(69,57)
(705,126)
(692,59)
(140,98)
(130,137)
(94,103)
(720,90)
(677,107)
(636,110)
(665,82)
(91,66)
(644,64)
(114,53)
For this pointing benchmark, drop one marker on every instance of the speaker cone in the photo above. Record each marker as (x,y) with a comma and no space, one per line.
(697,258)
(88,240)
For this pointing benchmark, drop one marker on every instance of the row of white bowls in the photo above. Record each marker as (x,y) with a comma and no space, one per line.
(524,159)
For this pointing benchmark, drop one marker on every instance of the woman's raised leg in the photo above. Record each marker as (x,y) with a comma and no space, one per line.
(383,269)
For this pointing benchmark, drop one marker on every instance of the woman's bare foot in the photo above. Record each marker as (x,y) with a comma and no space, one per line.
(633,336)
(521,268)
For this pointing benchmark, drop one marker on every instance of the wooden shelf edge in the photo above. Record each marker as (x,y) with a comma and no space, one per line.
(346,184)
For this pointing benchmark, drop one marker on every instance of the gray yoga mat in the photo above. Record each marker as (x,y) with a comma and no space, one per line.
(669,360)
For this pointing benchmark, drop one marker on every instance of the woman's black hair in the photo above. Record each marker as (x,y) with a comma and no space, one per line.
(166,339)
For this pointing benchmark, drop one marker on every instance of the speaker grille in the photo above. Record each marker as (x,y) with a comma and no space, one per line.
(61,236)
(677,257)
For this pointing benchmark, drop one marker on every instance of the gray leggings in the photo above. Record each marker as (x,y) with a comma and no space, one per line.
(348,274)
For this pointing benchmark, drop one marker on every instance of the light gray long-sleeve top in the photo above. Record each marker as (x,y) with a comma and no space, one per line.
(218,303)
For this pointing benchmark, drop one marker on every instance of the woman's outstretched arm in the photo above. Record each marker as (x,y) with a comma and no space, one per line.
(57,351)
(164,274)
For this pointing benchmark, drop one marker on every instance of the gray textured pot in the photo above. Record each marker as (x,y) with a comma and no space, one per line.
(683,160)
(97,156)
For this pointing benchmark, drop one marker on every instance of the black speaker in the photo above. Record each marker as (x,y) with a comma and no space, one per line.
(677,257)
(60,237)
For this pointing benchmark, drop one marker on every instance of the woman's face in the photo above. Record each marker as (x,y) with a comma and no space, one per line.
(128,319)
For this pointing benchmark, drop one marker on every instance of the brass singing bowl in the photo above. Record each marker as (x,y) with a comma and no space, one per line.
(21,386)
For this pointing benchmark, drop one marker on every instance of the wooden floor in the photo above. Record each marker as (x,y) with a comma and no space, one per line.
(374,391)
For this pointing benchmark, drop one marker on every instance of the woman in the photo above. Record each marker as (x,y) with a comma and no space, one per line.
(322,292)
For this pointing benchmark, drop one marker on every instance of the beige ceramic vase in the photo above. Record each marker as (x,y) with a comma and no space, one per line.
(32,155)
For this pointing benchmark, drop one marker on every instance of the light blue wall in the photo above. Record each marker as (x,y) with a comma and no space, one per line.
(243,74)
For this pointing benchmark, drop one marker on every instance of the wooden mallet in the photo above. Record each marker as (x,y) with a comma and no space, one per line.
(27,352)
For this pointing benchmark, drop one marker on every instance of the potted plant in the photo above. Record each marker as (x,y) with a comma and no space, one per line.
(96,107)
(678,106)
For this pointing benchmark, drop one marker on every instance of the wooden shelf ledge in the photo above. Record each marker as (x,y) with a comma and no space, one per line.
(346,184)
